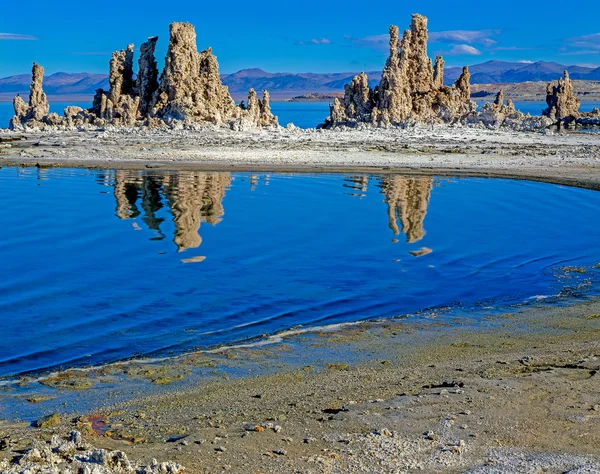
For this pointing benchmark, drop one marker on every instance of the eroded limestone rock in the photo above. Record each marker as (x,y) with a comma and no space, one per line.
(411,89)
(38,106)
(563,105)
(189,92)
(499,114)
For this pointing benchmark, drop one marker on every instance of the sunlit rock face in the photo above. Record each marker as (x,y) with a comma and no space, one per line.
(38,107)
(563,105)
(407,200)
(411,89)
(189,92)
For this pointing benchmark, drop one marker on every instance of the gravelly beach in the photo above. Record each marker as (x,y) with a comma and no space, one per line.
(518,394)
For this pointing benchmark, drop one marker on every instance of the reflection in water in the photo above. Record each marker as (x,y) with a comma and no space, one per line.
(358,185)
(407,200)
(196,197)
(192,198)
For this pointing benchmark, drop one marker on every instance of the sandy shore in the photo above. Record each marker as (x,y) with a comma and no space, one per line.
(568,158)
(489,393)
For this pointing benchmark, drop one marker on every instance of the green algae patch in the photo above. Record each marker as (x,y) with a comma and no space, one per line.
(338,366)
(593,316)
(49,421)
(69,380)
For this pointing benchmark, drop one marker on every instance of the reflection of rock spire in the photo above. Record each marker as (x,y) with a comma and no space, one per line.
(126,195)
(151,201)
(407,200)
(194,198)
(358,183)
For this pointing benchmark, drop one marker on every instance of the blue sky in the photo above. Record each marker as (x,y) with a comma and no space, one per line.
(334,36)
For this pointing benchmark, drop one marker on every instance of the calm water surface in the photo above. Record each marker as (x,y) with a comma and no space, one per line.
(100,266)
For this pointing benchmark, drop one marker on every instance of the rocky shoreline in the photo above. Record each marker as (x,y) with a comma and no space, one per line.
(565,158)
(511,393)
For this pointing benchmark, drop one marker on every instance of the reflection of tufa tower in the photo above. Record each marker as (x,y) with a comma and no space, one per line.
(126,194)
(193,198)
(407,200)
(358,185)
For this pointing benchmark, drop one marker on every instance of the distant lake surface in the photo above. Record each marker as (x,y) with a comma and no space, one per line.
(301,114)
(99,266)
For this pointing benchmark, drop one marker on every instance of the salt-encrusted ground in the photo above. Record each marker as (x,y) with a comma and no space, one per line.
(567,157)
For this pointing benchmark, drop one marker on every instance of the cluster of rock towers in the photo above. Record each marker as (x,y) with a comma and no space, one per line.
(189,90)
(411,87)
(412,91)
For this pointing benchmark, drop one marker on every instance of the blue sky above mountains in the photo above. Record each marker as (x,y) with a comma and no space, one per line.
(304,36)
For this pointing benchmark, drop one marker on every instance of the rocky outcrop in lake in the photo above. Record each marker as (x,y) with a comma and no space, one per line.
(189,93)
(38,106)
(503,114)
(563,105)
(411,89)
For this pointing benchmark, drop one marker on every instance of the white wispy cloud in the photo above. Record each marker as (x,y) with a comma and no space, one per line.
(586,44)
(482,37)
(464,49)
(378,42)
(452,37)
(16,37)
(314,41)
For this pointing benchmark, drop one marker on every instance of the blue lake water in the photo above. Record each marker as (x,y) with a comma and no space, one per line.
(99,266)
(302,114)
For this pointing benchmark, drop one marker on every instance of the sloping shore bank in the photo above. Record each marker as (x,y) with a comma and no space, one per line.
(515,394)
(565,158)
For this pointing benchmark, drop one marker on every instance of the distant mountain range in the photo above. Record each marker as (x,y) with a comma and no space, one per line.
(286,85)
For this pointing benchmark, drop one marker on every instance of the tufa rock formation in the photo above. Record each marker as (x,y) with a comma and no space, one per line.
(189,92)
(411,89)
(147,78)
(563,106)
(499,114)
(38,102)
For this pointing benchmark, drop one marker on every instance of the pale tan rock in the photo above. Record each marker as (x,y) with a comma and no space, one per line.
(180,95)
(267,119)
(499,114)
(438,73)
(357,104)
(190,92)
(563,105)
(411,89)
(219,106)
(32,114)
(38,102)
(21,108)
